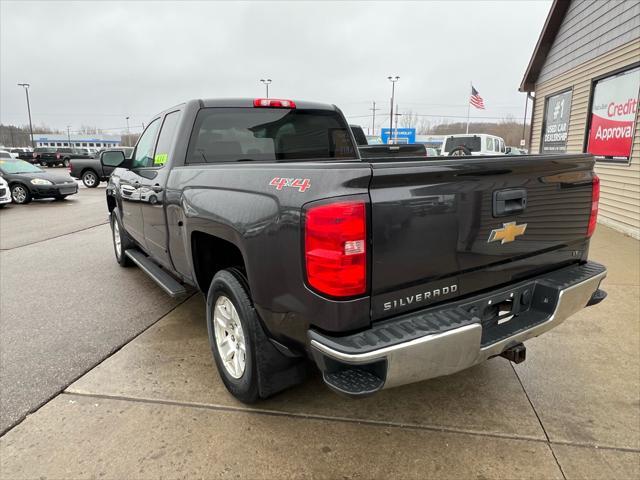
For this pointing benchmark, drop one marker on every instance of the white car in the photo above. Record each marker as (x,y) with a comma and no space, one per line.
(473,144)
(5,194)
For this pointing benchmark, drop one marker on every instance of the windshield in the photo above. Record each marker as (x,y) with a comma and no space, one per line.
(236,134)
(17,166)
(473,143)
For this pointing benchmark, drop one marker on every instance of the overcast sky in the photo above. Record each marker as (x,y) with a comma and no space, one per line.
(94,63)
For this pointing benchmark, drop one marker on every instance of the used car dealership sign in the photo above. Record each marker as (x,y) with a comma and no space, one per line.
(613,114)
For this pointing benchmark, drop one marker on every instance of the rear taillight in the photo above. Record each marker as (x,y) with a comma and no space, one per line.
(58,156)
(595,198)
(273,103)
(335,244)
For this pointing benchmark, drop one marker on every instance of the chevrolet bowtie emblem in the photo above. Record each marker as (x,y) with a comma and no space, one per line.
(507,233)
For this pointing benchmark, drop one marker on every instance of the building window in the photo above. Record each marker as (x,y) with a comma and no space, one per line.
(555,126)
(612,117)
(84,144)
(91,145)
(58,144)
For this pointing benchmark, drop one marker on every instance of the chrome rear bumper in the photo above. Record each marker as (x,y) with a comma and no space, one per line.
(456,349)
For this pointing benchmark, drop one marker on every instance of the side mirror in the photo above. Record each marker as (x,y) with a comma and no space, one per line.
(112,159)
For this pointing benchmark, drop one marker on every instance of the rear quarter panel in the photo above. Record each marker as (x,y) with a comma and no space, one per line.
(235,202)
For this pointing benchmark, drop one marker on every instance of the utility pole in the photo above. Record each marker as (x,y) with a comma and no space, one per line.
(266,83)
(69,135)
(393,81)
(128,133)
(373,120)
(396,130)
(26,91)
(524,120)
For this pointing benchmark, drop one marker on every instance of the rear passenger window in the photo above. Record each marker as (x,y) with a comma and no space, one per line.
(489,144)
(165,139)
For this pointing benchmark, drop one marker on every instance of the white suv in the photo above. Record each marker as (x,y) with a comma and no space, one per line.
(5,194)
(473,144)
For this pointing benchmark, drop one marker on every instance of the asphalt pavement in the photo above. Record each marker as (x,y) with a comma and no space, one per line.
(65,303)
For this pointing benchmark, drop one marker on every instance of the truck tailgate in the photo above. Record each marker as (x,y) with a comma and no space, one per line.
(444,228)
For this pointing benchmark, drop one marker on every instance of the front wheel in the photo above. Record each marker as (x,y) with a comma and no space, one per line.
(121,241)
(43,164)
(90,179)
(66,162)
(20,194)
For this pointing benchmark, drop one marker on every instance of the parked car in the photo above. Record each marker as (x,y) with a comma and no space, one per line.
(45,156)
(91,170)
(5,154)
(5,193)
(381,273)
(51,157)
(358,134)
(473,144)
(21,153)
(26,182)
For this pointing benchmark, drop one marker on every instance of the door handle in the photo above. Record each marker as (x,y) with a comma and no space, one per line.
(509,202)
(157,188)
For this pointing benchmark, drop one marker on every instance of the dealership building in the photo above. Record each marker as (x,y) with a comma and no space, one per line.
(92,140)
(585,75)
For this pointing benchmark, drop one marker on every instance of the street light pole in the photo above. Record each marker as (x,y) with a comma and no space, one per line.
(266,83)
(128,133)
(26,91)
(393,81)
(69,135)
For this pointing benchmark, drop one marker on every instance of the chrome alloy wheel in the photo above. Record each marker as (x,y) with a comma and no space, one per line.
(89,179)
(116,239)
(229,337)
(19,194)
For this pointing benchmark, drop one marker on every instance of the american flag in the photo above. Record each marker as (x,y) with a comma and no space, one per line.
(475,99)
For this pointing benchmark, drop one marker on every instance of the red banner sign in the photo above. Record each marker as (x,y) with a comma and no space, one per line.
(613,115)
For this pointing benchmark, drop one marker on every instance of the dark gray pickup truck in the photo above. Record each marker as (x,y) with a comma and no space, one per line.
(380,272)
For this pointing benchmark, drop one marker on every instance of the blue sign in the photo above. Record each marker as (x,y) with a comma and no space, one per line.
(399,135)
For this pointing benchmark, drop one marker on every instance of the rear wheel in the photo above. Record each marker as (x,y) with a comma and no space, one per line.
(90,179)
(121,241)
(20,194)
(66,162)
(460,151)
(43,164)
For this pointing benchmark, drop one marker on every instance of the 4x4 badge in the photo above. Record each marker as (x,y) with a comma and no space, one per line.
(507,233)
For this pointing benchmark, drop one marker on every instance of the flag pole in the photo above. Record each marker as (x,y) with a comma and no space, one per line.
(469,108)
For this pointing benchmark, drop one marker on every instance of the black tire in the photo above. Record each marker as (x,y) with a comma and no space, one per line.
(90,179)
(460,152)
(125,241)
(267,370)
(20,194)
(43,164)
(66,162)
(226,284)
(2,205)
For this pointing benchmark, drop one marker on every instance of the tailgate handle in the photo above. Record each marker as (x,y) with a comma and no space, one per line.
(509,202)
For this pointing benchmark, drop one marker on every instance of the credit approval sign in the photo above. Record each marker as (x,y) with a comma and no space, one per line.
(613,115)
